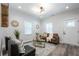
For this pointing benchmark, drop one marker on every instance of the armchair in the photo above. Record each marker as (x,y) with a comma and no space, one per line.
(55,38)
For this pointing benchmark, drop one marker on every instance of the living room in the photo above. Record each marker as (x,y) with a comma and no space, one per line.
(46,29)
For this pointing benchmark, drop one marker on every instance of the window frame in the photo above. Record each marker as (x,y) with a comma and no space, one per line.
(30,27)
(49,30)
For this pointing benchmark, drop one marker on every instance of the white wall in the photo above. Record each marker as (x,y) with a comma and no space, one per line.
(21,18)
(58,22)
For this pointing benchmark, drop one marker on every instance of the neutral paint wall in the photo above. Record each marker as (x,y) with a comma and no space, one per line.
(58,22)
(21,18)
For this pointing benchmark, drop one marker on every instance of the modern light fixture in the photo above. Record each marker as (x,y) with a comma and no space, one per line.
(19,7)
(67,7)
(44,7)
(41,8)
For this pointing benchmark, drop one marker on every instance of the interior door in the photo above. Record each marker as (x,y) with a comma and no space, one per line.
(70,34)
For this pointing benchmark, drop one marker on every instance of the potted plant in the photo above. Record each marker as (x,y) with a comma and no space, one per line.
(17,34)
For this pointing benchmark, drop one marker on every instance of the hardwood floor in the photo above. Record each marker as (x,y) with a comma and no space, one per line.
(65,50)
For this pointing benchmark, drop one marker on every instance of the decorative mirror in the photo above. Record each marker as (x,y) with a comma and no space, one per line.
(15,23)
(37,26)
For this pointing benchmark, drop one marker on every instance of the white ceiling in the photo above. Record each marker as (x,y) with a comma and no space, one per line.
(51,9)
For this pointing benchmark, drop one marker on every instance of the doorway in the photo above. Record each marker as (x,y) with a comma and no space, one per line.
(70,33)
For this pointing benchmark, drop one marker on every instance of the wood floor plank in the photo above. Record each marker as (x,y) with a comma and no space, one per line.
(66,50)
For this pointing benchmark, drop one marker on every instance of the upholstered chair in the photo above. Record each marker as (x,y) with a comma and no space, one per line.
(55,38)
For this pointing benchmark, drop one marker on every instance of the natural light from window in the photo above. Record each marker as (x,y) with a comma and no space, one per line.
(49,28)
(28,27)
(70,23)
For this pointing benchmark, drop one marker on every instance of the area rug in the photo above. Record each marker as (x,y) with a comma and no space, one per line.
(43,51)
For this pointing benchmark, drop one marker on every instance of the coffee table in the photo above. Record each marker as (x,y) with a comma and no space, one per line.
(39,43)
(29,51)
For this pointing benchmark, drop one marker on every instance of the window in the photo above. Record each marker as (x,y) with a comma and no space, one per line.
(70,23)
(49,28)
(28,28)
